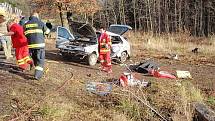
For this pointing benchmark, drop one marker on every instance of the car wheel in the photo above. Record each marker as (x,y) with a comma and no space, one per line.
(123,57)
(64,55)
(92,59)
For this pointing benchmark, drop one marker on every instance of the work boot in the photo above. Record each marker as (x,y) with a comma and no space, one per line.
(19,69)
(109,71)
(102,68)
(32,67)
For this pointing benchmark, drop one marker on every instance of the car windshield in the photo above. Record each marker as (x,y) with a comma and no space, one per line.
(63,32)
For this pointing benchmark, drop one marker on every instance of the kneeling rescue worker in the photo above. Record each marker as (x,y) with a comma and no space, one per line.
(105,51)
(35,30)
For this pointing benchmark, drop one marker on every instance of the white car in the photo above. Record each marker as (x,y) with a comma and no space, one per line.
(81,40)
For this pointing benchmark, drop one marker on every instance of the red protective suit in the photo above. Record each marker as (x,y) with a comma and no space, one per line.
(20,43)
(105,51)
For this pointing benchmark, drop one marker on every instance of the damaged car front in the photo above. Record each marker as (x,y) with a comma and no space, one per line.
(80,41)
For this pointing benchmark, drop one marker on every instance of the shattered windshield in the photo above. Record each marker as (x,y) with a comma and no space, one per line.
(63,32)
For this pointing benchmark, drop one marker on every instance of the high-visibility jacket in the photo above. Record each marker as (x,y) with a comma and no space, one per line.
(18,38)
(20,43)
(34,31)
(104,43)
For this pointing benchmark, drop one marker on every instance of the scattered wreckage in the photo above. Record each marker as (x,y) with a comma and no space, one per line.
(81,40)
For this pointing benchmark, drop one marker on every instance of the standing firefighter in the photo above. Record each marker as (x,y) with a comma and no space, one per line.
(34,31)
(19,43)
(104,51)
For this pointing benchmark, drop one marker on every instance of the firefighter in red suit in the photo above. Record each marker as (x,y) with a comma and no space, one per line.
(20,43)
(105,51)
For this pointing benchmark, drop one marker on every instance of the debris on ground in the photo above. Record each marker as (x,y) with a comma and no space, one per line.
(172,56)
(144,67)
(183,74)
(151,68)
(99,88)
(162,74)
(127,79)
(195,50)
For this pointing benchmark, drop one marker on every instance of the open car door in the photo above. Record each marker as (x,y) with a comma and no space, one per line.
(119,29)
(63,36)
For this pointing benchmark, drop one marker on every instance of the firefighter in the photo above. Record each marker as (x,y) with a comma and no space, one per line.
(35,30)
(20,43)
(105,51)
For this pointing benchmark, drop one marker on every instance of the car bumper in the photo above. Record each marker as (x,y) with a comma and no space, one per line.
(73,52)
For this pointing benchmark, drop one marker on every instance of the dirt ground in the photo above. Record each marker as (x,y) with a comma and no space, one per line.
(19,92)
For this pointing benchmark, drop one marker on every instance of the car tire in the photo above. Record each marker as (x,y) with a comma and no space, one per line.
(64,56)
(123,57)
(92,59)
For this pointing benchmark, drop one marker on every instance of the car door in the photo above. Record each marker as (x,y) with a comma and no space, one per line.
(119,29)
(63,36)
(117,46)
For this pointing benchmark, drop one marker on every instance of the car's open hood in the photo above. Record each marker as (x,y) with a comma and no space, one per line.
(82,30)
(119,29)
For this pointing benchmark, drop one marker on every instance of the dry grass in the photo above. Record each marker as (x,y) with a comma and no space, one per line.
(172,43)
(170,99)
(75,103)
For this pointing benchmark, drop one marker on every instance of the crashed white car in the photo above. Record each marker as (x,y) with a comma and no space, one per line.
(81,40)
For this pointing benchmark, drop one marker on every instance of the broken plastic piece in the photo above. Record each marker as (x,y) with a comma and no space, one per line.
(183,74)
(127,79)
(162,74)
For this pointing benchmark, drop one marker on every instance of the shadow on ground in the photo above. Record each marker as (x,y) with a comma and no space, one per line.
(53,55)
(14,69)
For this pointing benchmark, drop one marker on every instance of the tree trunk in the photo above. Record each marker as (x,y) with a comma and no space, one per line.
(135,18)
(92,19)
(123,12)
(201,31)
(159,17)
(150,16)
(61,15)
(195,20)
(175,18)
(180,16)
(166,16)
(114,12)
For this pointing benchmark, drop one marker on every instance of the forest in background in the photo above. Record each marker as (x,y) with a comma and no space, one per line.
(196,17)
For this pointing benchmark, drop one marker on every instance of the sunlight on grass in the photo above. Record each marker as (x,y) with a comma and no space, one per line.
(181,43)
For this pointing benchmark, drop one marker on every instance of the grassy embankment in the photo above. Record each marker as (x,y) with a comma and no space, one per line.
(171,98)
